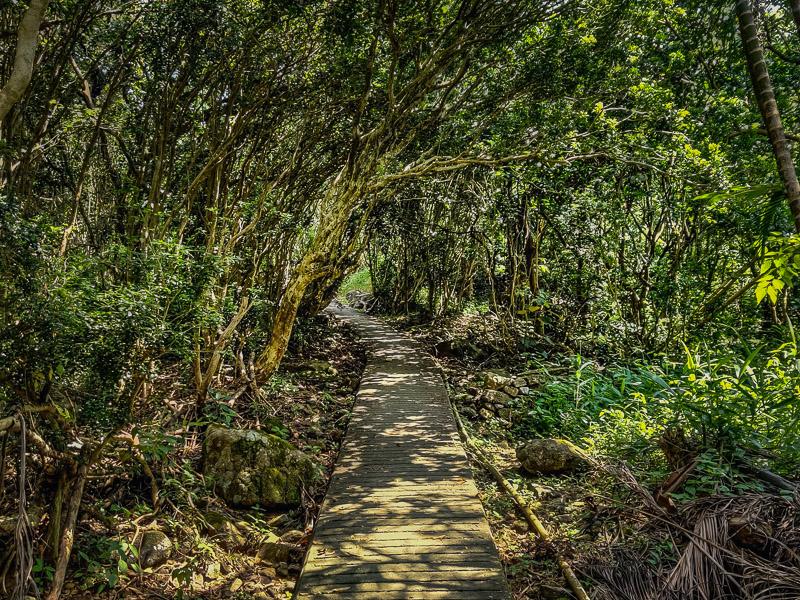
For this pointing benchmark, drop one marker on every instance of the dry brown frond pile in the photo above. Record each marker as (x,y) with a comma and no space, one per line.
(745,547)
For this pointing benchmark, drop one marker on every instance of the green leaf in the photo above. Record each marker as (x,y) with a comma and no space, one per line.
(773,294)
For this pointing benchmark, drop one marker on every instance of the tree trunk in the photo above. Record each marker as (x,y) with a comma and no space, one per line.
(202,378)
(270,358)
(796,14)
(68,533)
(759,75)
(27,40)
(53,535)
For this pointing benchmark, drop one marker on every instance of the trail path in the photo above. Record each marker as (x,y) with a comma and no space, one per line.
(401,519)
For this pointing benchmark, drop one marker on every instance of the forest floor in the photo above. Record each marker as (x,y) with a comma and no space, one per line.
(307,403)
(602,518)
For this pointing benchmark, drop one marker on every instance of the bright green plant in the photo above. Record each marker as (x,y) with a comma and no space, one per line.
(105,562)
(360,280)
(733,399)
(216,410)
(42,573)
(780,266)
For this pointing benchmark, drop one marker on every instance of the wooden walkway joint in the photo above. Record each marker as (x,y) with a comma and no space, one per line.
(402,518)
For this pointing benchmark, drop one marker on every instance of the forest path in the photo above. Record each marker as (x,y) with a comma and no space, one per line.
(401,519)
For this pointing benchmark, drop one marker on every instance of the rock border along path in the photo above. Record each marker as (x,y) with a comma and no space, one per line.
(401,519)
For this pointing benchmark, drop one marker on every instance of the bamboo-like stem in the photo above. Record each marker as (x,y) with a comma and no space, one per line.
(532,519)
(765,95)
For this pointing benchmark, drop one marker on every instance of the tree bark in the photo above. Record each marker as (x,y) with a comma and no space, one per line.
(765,95)
(27,40)
(796,14)
(271,357)
(319,260)
(203,378)
(68,533)
(53,536)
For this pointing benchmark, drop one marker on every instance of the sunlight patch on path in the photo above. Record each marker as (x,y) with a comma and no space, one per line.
(401,518)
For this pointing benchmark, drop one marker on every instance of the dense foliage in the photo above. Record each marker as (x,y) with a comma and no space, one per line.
(181,179)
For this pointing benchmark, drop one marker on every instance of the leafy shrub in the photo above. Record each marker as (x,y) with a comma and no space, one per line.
(360,280)
(729,401)
(105,561)
(738,398)
(96,325)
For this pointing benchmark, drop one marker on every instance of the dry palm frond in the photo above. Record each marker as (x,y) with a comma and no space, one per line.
(622,473)
(720,562)
(702,571)
(744,547)
(769,581)
(630,577)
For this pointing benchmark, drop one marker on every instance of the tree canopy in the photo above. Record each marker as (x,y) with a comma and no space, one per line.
(181,180)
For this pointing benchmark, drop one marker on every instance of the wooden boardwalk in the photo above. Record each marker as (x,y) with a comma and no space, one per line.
(401,519)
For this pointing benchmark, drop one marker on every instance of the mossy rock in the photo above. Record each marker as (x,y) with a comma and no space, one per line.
(224,532)
(550,456)
(155,548)
(275,553)
(494,380)
(247,467)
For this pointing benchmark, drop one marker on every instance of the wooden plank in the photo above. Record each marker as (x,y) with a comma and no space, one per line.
(338,518)
(401,547)
(411,536)
(358,487)
(434,575)
(389,524)
(401,519)
(321,568)
(410,595)
(441,557)
(411,472)
(403,506)
(455,585)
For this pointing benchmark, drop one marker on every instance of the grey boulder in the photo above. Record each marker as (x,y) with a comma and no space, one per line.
(248,467)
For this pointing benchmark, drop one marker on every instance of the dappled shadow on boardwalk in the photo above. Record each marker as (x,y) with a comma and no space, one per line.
(401,518)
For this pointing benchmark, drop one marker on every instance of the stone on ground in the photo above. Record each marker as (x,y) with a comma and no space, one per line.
(497,397)
(468,412)
(275,553)
(224,532)
(292,537)
(549,456)
(155,549)
(247,467)
(495,381)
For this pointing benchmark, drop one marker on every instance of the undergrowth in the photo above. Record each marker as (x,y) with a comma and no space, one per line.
(722,412)
(360,280)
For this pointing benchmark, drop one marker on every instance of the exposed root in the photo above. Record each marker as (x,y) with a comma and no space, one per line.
(23,534)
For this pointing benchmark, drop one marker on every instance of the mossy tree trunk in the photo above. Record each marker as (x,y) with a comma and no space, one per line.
(27,40)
